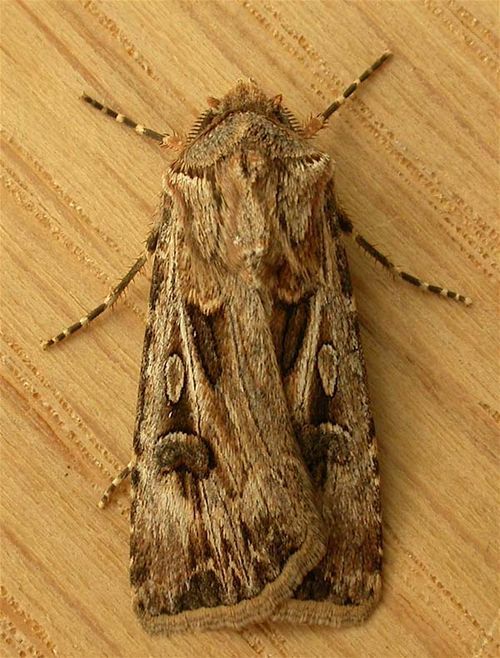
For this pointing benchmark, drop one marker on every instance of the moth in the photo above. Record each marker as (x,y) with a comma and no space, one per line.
(255,481)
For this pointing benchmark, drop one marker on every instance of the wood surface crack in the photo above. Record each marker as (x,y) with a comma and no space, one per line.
(43,569)
(276,639)
(53,185)
(51,38)
(493,413)
(21,630)
(117,33)
(473,24)
(25,199)
(487,641)
(439,11)
(435,580)
(34,391)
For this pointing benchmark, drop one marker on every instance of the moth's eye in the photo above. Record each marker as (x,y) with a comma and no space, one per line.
(177,451)
(278,114)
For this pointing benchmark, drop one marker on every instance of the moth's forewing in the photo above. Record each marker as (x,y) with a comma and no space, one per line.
(324,377)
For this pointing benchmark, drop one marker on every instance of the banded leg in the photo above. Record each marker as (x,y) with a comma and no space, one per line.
(111,298)
(318,122)
(347,227)
(161,138)
(122,475)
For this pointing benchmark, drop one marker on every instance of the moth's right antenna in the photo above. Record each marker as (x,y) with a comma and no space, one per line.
(316,123)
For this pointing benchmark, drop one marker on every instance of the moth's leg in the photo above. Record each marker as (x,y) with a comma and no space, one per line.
(318,122)
(161,138)
(347,227)
(122,475)
(111,298)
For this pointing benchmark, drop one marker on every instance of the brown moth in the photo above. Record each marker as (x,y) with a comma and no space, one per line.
(255,487)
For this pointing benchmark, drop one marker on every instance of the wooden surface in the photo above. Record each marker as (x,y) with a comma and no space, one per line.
(416,169)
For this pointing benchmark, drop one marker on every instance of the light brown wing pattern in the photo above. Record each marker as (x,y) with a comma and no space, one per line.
(220,535)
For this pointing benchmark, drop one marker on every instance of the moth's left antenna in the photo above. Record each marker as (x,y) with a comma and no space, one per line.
(161,138)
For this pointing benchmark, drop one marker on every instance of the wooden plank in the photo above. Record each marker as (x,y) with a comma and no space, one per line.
(416,153)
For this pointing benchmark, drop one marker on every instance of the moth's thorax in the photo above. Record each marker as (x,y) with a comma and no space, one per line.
(236,128)
(257,197)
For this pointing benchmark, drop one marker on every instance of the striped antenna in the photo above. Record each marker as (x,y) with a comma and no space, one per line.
(316,123)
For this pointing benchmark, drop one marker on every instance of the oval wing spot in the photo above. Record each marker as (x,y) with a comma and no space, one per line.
(328,368)
(177,451)
(174,376)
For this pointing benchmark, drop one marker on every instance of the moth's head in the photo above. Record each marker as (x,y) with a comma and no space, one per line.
(246,96)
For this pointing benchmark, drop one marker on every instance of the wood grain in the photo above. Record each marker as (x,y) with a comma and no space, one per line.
(416,153)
